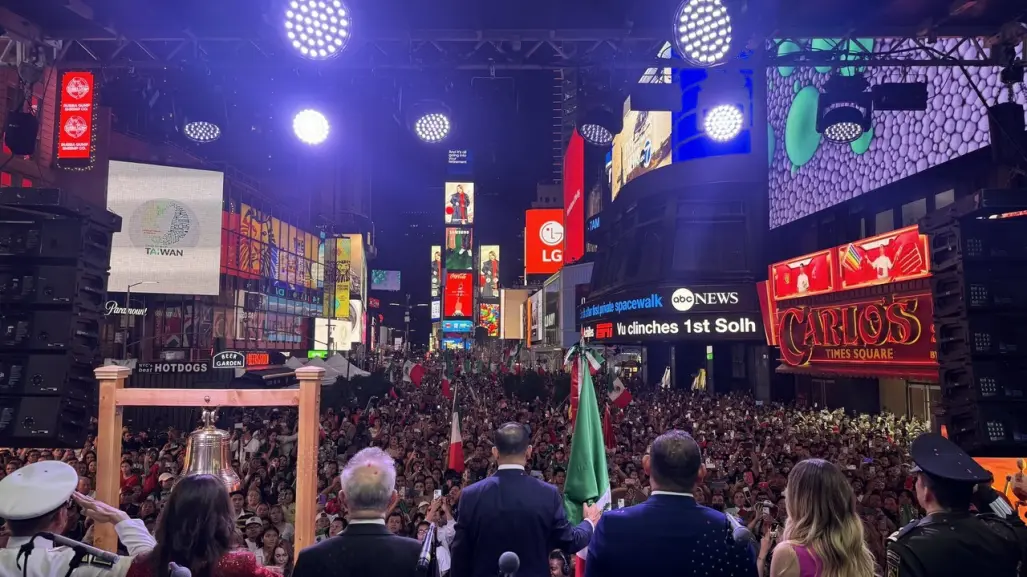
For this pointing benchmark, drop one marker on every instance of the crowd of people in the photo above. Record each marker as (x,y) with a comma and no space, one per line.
(748,447)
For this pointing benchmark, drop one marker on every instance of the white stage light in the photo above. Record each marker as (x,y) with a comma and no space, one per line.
(723,122)
(596,135)
(432,127)
(843,132)
(310,126)
(317,29)
(201,131)
(702,32)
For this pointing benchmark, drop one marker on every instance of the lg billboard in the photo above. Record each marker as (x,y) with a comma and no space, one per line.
(543,240)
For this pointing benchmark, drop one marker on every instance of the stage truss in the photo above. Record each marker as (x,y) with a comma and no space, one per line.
(480,50)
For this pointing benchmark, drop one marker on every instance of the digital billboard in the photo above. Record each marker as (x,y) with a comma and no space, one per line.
(76,116)
(358,268)
(385,280)
(459,249)
(255,245)
(488,271)
(641,146)
(809,174)
(574,199)
(457,326)
(459,162)
(458,300)
(488,317)
(170,235)
(460,203)
(543,240)
(436,310)
(436,271)
(342,276)
(535,327)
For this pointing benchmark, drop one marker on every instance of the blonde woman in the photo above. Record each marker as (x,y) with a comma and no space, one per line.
(823,536)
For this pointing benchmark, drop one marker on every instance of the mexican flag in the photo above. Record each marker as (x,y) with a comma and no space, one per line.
(413,372)
(447,380)
(587,477)
(620,396)
(593,368)
(456,446)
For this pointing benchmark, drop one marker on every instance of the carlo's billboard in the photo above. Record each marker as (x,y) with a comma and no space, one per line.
(889,331)
(543,240)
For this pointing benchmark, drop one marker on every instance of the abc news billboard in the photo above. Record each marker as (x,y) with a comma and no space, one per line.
(700,312)
(543,241)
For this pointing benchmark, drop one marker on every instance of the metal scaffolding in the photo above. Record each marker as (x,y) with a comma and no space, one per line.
(504,50)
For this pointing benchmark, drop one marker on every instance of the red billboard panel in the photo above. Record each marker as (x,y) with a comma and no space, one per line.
(804,276)
(77,104)
(574,199)
(458,295)
(543,240)
(892,257)
(873,333)
(896,256)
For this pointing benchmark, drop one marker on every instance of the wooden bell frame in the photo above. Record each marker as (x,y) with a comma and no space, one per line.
(114,397)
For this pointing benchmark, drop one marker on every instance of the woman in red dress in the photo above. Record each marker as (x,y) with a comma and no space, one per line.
(195,530)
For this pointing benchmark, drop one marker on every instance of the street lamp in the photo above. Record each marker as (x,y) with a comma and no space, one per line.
(128,305)
(406,319)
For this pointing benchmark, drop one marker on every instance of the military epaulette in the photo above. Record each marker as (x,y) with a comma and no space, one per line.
(93,561)
(894,537)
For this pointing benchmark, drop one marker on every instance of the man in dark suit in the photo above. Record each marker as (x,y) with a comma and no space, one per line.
(365,548)
(513,511)
(669,534)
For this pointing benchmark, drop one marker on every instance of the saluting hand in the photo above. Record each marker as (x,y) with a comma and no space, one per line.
(99,511)
(591,512)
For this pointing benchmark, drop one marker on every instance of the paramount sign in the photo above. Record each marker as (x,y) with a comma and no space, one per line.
(113,308)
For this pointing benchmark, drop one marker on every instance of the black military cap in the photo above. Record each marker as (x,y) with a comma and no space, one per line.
(943,459)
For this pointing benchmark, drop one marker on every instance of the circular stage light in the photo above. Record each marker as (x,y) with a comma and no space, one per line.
(723,122)
(201,131)
(702,31)
(317,29)
(843,132)
(310,126)
(432,127)
(596,135)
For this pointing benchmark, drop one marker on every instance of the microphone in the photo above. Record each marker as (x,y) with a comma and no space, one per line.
(427,551)
(739,532)
(175,570)
(509,563)
(62,541)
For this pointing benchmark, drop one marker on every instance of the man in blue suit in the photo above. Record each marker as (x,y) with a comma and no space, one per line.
(669,534)
(512,511)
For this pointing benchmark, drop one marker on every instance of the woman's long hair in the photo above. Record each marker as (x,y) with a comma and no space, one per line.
(822,517)
(195,528)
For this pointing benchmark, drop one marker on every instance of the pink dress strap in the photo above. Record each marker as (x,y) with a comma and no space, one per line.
(809,564)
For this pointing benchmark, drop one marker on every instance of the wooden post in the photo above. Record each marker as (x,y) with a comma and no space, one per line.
(307,445)
(108,449)
(114,396)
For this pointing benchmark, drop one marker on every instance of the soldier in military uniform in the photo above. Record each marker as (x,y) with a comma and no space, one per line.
(950,540)
(35,499)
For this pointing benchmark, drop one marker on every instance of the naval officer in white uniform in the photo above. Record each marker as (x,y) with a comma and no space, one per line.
(36,498)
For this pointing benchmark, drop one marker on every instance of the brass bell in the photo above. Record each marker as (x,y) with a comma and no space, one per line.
(209,452)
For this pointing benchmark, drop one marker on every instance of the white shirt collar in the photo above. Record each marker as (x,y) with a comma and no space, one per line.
(367,522)
(17,542)
(672,493)
(511,467)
